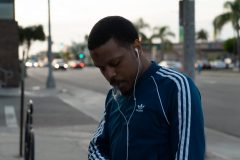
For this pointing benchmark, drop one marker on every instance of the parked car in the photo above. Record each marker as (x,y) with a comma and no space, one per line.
(76,64)
(42,64)
(31,64)
(218,64)
(175,65)
(204,64)
(59,64)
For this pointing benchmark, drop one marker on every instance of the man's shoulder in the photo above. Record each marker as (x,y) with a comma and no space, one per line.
(169,78)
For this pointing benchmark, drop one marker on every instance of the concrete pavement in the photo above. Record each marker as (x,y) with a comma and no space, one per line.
(57,137)
(70,140)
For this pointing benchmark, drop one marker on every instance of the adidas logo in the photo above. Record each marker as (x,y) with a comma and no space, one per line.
(140,108)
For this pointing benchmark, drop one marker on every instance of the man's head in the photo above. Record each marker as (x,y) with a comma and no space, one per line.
(116,27)
(112,43)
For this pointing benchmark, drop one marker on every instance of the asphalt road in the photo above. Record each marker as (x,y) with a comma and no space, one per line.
(221,101)
(220,93)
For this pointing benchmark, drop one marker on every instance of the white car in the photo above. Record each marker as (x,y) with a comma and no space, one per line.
(175,65)
(31,63)
(59,64)
(218,64)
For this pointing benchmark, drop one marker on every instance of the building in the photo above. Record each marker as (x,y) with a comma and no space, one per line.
(208,50)
(9,62)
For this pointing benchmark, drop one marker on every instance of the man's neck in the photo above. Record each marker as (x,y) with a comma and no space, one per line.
(145,65)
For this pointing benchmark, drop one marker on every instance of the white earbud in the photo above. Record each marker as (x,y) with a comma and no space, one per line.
(136,50)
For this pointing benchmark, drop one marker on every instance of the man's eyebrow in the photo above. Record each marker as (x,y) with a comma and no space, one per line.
(109,61)
(116,58)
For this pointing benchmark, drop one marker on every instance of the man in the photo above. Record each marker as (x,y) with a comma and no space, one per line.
(151,113)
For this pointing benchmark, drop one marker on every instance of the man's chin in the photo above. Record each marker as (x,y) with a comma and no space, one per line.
(125,92)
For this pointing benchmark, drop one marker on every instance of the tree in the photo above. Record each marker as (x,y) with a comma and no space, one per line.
(86,38)
(231,15)
(229,45)
(202,35)
(163,33)
(140,25)
(29,34)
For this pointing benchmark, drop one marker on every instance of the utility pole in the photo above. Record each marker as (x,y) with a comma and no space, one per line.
(181,28)
(50,79)
(189,37)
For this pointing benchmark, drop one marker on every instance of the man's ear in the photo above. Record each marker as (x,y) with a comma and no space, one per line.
(137,45)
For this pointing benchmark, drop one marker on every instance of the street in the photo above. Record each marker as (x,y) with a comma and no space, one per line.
(221,99)
(220,93)
(67,117)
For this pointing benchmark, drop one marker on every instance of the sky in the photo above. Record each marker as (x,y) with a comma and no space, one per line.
(71,20)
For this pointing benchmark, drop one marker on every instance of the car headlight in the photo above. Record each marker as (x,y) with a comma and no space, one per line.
(28,64)
(35,64)
(56,66)
(65,66)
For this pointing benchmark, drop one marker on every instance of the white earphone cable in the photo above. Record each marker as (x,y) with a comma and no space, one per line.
(135,102)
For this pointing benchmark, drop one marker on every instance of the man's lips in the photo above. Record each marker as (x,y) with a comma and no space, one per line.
(117,83)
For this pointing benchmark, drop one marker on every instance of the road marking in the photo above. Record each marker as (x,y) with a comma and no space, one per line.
(212,82)
(36,88)
(10,116)
(209,81)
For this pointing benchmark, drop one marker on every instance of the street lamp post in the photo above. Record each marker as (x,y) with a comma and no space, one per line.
(50,79)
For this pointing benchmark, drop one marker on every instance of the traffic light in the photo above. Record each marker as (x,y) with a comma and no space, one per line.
(81,55)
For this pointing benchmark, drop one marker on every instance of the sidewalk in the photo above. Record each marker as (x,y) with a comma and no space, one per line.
(50,144)
(65,139)
(70,142)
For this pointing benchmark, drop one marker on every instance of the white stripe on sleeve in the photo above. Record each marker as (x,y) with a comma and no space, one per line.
(184,133)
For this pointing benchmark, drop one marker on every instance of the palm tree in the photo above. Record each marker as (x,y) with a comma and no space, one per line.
(140,25)
(29,34)
(202,35)
(86,38)
(163,33)
(229,45)
(232,15)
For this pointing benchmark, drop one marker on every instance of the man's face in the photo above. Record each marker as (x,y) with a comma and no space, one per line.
(118,64)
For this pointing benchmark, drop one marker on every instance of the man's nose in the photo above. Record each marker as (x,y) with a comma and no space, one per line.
(110,72)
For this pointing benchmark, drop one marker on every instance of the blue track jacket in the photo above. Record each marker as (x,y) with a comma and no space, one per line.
(166,122)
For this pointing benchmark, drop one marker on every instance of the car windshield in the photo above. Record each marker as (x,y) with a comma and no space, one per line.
(58,61)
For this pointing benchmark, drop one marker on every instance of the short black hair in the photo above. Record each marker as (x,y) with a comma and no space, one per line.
(116,27)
